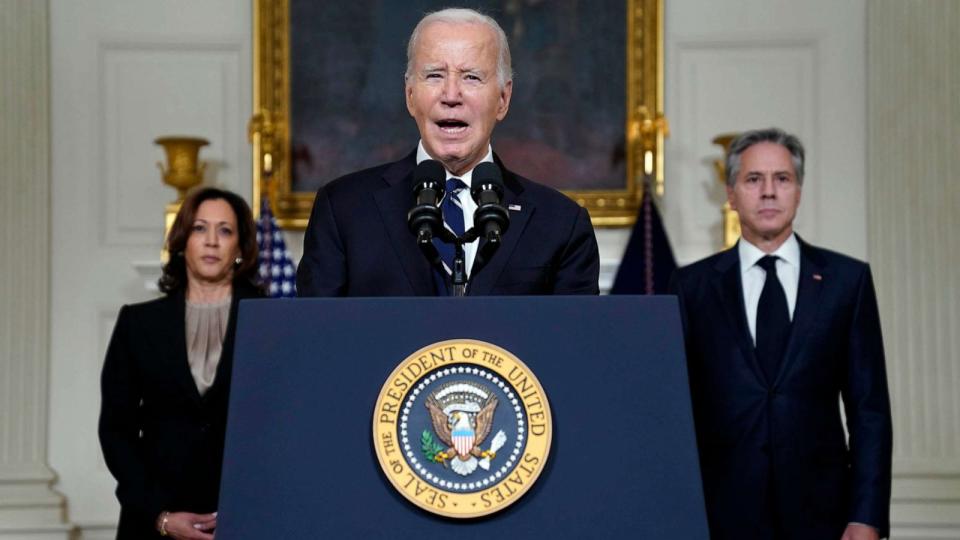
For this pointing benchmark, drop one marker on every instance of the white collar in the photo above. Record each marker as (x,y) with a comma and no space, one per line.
(788,252)
(467,177)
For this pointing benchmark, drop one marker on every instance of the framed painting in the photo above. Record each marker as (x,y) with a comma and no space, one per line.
(585,117)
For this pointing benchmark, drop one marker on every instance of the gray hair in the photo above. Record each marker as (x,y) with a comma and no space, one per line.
(464,16)
(773,135)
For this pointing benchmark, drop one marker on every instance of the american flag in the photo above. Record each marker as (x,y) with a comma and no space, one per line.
(277,273)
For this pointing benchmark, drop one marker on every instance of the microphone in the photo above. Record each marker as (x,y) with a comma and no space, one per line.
(491,219)
(425,218)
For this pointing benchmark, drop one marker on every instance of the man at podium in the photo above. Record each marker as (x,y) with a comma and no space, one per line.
(777,333)
(358,242)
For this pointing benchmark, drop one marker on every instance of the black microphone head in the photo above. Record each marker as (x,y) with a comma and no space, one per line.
(429,170)
(486,176)
(429,183)
(425,218)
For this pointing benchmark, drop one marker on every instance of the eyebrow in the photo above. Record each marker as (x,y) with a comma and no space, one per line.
(438,68)
(782,171)
(216,223)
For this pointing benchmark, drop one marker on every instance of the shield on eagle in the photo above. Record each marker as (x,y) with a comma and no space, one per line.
(461,415)
(463,434)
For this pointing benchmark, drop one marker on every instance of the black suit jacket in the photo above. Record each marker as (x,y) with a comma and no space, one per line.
(774,458)
(161,440)
(357,242)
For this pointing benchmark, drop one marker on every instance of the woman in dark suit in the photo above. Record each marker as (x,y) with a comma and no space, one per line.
(166,376)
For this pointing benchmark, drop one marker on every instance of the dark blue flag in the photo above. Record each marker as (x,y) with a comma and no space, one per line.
(648,261)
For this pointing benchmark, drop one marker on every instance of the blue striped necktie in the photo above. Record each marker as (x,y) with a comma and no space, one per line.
(453,217)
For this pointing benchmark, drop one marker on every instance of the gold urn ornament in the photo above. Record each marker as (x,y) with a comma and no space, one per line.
(184,169)
(183,172)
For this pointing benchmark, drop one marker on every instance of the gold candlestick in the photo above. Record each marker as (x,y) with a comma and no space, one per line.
(184,171)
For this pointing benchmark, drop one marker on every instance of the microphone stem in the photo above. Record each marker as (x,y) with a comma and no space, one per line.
(459,269)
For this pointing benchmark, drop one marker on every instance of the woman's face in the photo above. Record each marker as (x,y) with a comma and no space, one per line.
(213,245)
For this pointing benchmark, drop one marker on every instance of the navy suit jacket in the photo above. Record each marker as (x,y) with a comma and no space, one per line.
(774,458)
(357,242)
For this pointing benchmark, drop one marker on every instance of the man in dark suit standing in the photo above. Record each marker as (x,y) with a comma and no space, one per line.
(777,331)
(458,86)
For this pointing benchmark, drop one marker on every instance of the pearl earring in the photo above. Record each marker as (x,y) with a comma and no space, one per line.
(238,260)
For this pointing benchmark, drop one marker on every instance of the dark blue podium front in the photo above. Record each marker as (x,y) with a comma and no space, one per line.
(299,459)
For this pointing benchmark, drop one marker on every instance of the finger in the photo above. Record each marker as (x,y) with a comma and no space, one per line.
(205,525)
(208,521)
(184,525)
(179,525)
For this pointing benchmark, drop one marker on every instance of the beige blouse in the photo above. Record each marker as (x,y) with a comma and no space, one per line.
(206,327)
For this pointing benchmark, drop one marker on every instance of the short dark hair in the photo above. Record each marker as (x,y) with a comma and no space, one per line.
(175,271)
(774,135)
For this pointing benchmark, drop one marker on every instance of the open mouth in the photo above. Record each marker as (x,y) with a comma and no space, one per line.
(452,126)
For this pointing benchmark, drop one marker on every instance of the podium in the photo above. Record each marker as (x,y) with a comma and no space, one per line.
(300,459)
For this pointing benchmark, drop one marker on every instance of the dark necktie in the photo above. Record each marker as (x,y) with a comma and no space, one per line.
(453,217)
(773,320)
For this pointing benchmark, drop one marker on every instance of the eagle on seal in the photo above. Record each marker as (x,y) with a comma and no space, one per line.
(463,434)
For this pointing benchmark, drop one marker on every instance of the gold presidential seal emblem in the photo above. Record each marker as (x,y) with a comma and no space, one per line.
(462,428)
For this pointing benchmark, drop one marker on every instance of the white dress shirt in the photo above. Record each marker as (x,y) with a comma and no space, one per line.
(753,276)
(466,202)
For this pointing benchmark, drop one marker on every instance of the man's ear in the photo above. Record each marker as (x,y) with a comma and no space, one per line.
(731,198)
(504,104)
(408,94)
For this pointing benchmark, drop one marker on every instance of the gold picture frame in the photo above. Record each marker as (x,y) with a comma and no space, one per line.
(645,126)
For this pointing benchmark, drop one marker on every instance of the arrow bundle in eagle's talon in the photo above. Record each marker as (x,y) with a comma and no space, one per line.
(498,442)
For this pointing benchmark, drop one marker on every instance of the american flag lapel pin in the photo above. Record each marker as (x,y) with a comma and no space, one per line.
(514,207)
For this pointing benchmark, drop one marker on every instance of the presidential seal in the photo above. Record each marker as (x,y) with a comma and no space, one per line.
(462,428)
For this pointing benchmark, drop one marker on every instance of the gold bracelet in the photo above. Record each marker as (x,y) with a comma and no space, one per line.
(164,517)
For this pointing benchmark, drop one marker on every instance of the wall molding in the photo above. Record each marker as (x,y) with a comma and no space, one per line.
(117,58)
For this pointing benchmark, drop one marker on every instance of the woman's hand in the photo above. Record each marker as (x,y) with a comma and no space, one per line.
(190,526)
